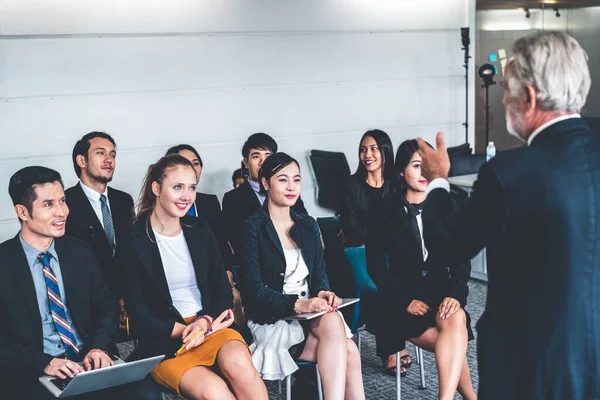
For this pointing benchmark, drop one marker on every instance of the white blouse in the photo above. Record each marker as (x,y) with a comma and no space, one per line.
(296,272)
(180,274)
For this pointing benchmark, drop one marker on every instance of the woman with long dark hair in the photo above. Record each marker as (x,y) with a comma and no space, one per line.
(283,273)
(373,180)
(425,294)
(178,293)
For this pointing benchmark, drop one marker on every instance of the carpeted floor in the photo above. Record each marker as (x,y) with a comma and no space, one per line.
(379,386)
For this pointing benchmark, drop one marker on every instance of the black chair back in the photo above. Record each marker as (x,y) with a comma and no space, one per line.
(331,168)
(466,164)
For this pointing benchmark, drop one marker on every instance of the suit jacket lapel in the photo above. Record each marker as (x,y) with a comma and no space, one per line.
(90,214)
(193,240)
(400,214)
(68,271)
(22,272)
(249,197)
(148,253)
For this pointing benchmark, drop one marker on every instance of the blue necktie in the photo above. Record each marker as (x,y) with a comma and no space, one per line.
(192,211)
(107,221)
(57,309)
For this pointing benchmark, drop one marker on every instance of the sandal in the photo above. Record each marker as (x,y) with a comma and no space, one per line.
(391,370)
(408,364)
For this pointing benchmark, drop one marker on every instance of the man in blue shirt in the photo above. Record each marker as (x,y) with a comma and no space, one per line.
(55,308)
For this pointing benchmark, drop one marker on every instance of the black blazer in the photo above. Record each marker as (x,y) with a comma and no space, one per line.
(84,224)
(354,211)
(239,204)
(263,265)
(209,209)
(90,305)
(408,277)
(148,298)
(537,210)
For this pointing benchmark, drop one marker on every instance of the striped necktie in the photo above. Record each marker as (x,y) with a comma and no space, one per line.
(107,221)
(57,309)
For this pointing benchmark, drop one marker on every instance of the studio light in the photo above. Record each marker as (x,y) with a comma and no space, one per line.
(557,12)
(527,13)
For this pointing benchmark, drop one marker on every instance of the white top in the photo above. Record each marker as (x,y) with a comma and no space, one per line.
(94,198)
(180,274)
(420,225)
(296,271)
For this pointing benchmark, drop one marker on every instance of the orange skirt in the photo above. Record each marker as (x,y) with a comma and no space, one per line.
(169,372)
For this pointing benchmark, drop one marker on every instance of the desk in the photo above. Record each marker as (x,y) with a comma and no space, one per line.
(478,263)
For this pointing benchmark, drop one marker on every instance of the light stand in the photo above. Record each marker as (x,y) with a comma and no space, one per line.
(464,34)
(487,72)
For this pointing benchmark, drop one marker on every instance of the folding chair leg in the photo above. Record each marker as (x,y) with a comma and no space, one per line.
(417,354)
(319,383)
(422,368)
(288,387)
(280,387)
(398,378)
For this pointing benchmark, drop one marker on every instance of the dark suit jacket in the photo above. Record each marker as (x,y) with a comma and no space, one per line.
(209,209)
(148,298)
(89,302)
(408,277)
(84,224)
(537,209)
(263,265)
(354,211)
(239,204)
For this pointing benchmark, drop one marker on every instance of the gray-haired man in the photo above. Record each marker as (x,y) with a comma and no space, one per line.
(537,210)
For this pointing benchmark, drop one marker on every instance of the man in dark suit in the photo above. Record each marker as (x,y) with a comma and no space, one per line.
(100,215)
(245,200)
(55,309)
(537,210)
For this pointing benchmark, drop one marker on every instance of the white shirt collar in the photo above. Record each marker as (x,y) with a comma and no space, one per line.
(92,194)
(549,123)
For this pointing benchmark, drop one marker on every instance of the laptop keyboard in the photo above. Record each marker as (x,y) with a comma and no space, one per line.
(60,383)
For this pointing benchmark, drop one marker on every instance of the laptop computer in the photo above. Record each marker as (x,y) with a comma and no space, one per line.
(307,316)
(119,374)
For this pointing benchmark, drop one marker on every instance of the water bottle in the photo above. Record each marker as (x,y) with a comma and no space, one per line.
(490,152)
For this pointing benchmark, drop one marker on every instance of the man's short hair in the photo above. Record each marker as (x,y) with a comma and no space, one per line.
(260,141)
(556,66)
(21,186)
(237,174)
(83,145)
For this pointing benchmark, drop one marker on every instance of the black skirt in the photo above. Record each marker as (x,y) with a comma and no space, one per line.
(415,325)
(399,326)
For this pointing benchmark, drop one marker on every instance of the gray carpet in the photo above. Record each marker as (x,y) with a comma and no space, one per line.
(379,386)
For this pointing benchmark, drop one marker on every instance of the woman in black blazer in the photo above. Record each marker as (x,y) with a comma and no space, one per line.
(178,292)
(208,208)
(283,273)
(425,294)
(374,179)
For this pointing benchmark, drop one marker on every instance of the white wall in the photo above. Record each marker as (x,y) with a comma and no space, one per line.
(313,74)
(585,27)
